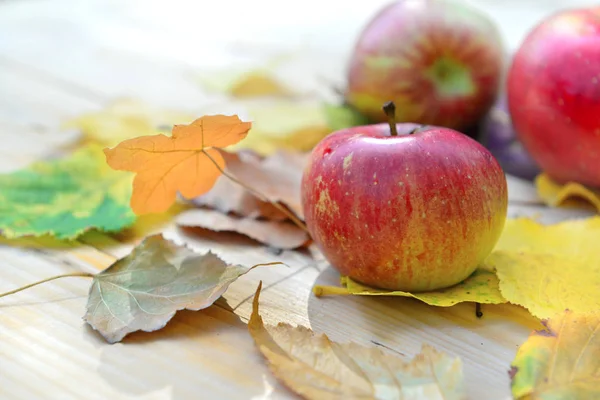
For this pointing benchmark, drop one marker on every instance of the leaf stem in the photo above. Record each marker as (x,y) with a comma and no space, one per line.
(261,196)
(321,290)
(72,274)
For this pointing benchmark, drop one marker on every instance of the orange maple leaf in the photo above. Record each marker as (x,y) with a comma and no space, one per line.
(187,162)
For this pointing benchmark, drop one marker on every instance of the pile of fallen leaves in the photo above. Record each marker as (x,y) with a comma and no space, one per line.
(220,173)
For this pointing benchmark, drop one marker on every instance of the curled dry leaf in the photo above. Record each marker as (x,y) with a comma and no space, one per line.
(187,162)
(229,197)
(144,290)
(549,268)
(125,119)
(560,362)
(277,177)
(480,287)
(65,197)
(571,194)
(277,234)
(317,368)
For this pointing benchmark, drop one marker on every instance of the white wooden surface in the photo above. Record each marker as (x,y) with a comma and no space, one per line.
(64,57)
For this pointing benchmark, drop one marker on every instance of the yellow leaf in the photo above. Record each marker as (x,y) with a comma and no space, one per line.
(572,238)
(284,124)
(126,119)
(549,268)
(480,287)
(244,84)
(188,162)
(547,284)
(561,362)
(257,84)
(571,194)
(317,368)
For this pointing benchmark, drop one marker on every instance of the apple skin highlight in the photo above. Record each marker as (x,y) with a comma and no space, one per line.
(414,212)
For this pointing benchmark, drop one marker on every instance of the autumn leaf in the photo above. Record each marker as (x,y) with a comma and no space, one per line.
(227,196)
(284,124)
(65,197)
(561,362)
(125,119)
(571,237)
(549,268)
(548,283)
(277,177)
(144,290)
(317,368)
(277,234)
(258,83)
(480,287)
(188,161)
(572,194)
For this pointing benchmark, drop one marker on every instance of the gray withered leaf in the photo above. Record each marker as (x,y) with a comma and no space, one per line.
(144,290)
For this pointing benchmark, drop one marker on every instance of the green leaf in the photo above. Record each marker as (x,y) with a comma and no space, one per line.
(480,287)
(144,290)
(342,116)
(65,197)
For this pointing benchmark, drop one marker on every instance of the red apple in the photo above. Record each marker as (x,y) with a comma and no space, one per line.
(412,212)
(554,95)
(440,61)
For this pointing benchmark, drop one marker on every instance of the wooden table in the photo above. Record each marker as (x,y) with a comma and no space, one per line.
(65,57)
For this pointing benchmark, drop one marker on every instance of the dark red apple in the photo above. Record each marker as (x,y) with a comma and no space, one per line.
(440,61)
(412,212)
(554,95)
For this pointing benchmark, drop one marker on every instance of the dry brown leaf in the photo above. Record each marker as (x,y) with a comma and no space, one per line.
(277,177)
(317,368)
(145,289)
(278,234)
(229,197)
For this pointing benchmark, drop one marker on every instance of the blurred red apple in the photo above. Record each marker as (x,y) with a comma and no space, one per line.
(554,95)
(411,212)
(440,61)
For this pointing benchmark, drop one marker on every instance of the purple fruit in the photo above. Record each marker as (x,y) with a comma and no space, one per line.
(499,136)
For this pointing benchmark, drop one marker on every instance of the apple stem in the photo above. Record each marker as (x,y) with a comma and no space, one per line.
(390,110)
